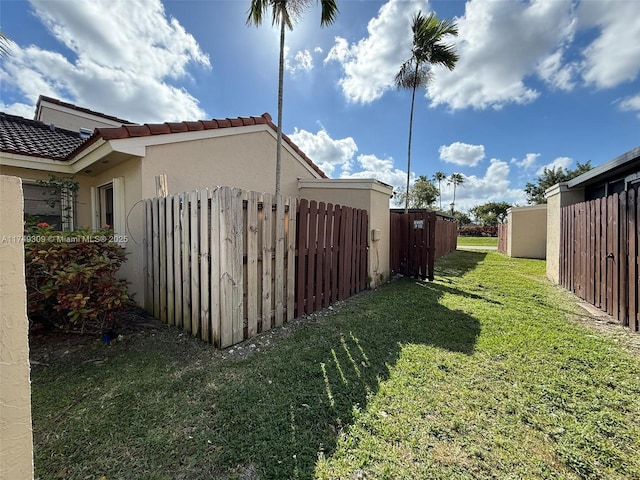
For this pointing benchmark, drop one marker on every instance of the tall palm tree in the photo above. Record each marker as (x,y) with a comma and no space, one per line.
(284,13)
(440,177)
(427,50)
(455,179)
(5,44)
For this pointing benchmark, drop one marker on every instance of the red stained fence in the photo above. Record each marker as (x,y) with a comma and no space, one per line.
(418,239)
(599,254)
(503,237)
(332,252)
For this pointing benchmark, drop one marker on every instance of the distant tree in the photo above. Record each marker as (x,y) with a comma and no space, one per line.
(490,214)
(284,13)
(550,177)
(462,218)
(440,177)
(422,194)
(427,49)
(455,179)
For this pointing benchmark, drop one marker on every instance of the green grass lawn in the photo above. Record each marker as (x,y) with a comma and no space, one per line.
(483,373)
(478,241)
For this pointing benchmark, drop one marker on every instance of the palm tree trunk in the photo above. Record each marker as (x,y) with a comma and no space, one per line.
(280,85)
(453,204)
(413,97)
(440,192)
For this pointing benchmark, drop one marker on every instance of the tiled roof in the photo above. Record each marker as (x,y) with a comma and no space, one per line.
(79,109)
(32,138)
(146,130)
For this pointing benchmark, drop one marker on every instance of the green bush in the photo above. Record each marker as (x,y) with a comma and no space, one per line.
(71,281)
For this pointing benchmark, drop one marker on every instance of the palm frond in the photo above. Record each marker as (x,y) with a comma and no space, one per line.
(329,12)
(5,44)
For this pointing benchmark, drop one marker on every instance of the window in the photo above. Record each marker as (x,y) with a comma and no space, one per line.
(106,205)
(39,206)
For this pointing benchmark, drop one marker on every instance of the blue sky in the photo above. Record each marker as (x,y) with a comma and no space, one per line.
(539,83)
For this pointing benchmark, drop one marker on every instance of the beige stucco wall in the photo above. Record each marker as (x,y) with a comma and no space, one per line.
(557,196)
(16,450)
(245,161)
(527,228)
(68,119)
(367,194)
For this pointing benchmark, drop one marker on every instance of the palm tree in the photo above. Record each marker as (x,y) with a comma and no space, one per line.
(427,50)
(440,177)
(5,44)
(284,13)
(455,179)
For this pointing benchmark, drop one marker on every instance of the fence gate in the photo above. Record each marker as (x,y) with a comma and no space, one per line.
(413,244)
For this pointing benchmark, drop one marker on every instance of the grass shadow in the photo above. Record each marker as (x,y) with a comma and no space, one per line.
(459,263)
(290,409)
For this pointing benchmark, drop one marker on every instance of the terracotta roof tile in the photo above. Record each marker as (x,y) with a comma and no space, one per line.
(22,136)
(30,137)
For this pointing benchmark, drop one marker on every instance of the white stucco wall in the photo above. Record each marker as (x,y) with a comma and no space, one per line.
(16,448)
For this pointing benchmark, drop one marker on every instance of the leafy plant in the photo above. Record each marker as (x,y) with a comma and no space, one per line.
(71,280)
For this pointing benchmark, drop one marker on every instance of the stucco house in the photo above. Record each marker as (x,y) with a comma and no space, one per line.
(117,164)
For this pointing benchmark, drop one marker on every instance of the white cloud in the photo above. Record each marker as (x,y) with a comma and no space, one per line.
(124,67)
(494,186)
(631,104)
(302,61)
(560,162)
(500,43)
(527,162)
(371,63)
(614,56)
(328,153)
(462,153)
(555,73)
(19,109)
(382,169)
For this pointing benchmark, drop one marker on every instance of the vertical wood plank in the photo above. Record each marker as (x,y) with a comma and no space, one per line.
(163,258)
(237,284)
(326,274)
(336,252)
(311,263)
(226,268)
(632,260)
(252,264)
(320,253)
(214,253)
(156,258)
(280,299)
(205,274)
(171,313)
(291,257)
(177,261)
(185,247)
(195,263)
(267,261)
(623,286)
(301,242)
(148,244)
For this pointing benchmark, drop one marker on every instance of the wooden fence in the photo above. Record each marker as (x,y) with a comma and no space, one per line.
(332,249)
(223,263)
(599,254)
(503,237)
(418,239)
(220,263)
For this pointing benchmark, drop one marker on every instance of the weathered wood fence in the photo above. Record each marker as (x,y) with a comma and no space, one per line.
(600,242)
(503,237)
(418,239)
(225,264)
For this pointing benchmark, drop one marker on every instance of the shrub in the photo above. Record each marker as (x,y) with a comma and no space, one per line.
(477,231)
(71,281)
